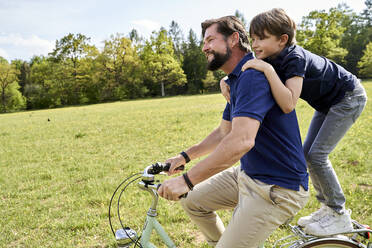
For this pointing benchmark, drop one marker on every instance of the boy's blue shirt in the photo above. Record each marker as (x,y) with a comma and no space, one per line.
(277,157)
(325,82)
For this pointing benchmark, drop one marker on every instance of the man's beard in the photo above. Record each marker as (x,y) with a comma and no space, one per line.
(219,59)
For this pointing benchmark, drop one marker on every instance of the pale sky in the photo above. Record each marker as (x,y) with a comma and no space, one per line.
(31,27)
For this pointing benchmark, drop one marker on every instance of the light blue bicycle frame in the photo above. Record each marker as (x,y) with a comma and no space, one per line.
(151,221)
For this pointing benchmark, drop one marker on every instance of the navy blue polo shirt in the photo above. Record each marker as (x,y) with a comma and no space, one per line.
(325,82)
(277,157)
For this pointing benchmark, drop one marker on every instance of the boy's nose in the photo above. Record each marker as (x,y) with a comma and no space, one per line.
(254,44)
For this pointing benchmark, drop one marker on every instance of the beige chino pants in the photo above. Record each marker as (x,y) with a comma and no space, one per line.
(259,208)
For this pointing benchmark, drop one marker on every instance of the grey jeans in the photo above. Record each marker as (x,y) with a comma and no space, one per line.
(325,131)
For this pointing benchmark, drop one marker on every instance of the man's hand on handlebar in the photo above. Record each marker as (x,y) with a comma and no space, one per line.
(173,188)
(175,163)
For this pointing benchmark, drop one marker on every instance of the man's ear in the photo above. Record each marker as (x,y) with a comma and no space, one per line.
(284,39)
(234,38)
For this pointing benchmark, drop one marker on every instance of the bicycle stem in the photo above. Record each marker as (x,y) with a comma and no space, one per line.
(153,189)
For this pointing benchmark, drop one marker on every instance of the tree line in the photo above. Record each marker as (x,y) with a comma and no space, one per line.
(167,63)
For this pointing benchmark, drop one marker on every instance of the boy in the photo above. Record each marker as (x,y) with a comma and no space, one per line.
(336,95)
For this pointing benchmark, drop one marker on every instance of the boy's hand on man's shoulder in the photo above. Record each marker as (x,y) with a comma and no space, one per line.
(257,64)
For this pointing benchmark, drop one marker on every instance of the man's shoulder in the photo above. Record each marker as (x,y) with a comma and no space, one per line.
(252,74)
(252,80)
(252,77)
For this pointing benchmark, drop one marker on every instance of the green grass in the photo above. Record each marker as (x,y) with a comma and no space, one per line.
(57,176)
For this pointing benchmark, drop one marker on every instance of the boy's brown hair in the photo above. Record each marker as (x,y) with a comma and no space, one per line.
(275,22)
(228,25)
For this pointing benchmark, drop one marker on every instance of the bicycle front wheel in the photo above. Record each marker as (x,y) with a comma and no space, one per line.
(330,243)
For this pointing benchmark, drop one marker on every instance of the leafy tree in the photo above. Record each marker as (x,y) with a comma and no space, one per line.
(68,75)
(175,33)
(71,47)
(134,36)
(137,40)
(210,82)
(240,15)
(162,70)
(2,60)
(86,77)
(10,97)
(365,64)
(366,15)
(356,37)
(218,75)
(41,91)
(194,63)
(121,70)
(340,34)
(23,68)
(321,33)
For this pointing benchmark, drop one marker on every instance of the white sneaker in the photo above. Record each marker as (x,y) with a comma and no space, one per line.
(330,224)
(315,216)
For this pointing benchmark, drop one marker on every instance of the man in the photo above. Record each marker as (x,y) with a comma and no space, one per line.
(271,184)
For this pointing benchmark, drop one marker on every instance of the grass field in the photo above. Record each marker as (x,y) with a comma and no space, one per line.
(59,168)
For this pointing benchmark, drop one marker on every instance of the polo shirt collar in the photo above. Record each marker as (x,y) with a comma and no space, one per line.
(238,68)
(278,60)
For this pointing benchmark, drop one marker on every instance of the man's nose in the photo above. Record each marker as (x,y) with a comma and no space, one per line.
(205,47)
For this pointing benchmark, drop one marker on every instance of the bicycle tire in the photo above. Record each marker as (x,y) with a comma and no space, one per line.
(330,243)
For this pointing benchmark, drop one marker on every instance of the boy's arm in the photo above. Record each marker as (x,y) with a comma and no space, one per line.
(286,95)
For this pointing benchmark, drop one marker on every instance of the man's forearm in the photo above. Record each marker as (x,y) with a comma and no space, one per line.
(204,147)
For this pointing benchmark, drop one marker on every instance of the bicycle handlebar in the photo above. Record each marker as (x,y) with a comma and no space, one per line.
(160,167)
(154,169)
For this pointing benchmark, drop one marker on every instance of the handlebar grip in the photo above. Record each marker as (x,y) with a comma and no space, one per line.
(167,166)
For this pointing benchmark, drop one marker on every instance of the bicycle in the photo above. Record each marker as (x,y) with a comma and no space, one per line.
(126,237)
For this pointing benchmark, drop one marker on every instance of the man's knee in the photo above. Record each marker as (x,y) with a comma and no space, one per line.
(191,204)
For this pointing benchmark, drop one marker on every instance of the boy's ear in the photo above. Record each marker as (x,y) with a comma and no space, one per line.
(284,39)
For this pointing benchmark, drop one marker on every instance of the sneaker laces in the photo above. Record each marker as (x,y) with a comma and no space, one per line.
(320,212)
(326,220)
(331,217)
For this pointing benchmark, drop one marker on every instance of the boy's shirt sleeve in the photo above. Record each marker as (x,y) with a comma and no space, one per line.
(294,65)
(253,97)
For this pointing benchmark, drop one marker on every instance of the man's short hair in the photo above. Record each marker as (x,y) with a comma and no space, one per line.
(275,22)
(228,25)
